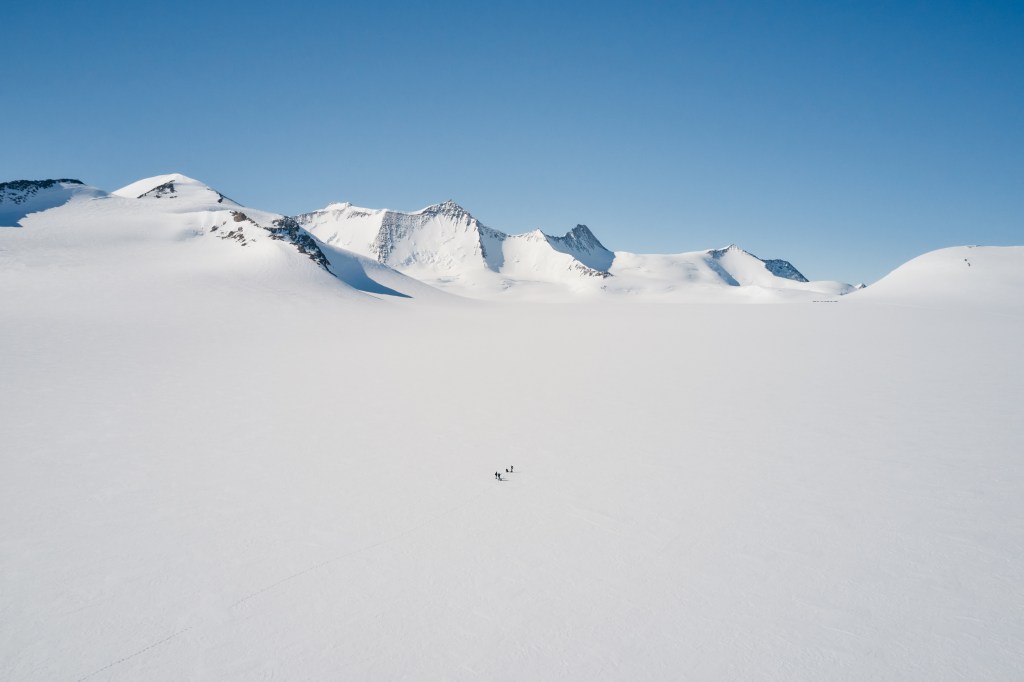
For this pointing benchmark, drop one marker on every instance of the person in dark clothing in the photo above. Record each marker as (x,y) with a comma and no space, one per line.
(512,468)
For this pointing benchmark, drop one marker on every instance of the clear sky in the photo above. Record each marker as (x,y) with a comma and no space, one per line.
(844,137)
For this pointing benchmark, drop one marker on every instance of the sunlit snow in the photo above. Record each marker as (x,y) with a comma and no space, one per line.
(223,460)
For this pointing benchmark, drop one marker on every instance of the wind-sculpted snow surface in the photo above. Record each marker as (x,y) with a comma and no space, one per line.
(213,479)
(226,459)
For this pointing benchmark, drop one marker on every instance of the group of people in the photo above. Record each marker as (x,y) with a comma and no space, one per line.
(510,470)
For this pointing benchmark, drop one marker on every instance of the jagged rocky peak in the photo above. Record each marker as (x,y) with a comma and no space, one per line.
(581,231)
(583,245)
(449,209)
(732,248)
(583,238)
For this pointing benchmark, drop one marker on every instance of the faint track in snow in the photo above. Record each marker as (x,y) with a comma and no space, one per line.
(131,656)
(303,572)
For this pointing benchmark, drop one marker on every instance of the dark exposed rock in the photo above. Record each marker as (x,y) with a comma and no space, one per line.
(287,229)
(783,268)
(165,190)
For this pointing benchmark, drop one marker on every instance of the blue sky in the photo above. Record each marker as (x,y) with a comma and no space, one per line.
(844,137)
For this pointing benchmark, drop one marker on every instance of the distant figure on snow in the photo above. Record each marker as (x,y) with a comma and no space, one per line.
(506,471)
(512,468)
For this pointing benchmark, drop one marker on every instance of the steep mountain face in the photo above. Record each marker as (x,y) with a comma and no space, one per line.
(444,242)
(783,268)
(581,244)
(442,239)
(20,198)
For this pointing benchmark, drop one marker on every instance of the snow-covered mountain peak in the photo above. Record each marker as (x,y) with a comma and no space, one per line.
(777,267)
(584,246)
(445,245)
(732,248)
(174,186)
(447,209)
(583,233)
(19,198)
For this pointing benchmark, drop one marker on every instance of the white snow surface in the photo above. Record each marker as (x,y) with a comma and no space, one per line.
(223,462)
(969,275)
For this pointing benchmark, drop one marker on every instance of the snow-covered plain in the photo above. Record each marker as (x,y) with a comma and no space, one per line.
(221,463)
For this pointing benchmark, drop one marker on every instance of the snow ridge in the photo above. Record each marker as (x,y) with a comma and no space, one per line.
(778,267)
(583,245)
(20,191)
(19,198)
(443,244)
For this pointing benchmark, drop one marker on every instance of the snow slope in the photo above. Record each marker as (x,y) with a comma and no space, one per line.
(178,227)
(971,275)
(232,451)
(447,247)
(21,198)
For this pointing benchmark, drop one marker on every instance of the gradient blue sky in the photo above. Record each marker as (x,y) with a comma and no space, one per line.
(844,137)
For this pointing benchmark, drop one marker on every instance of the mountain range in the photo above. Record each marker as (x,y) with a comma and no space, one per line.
(440,248)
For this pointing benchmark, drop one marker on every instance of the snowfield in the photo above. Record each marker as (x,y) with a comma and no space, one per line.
(239,462)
